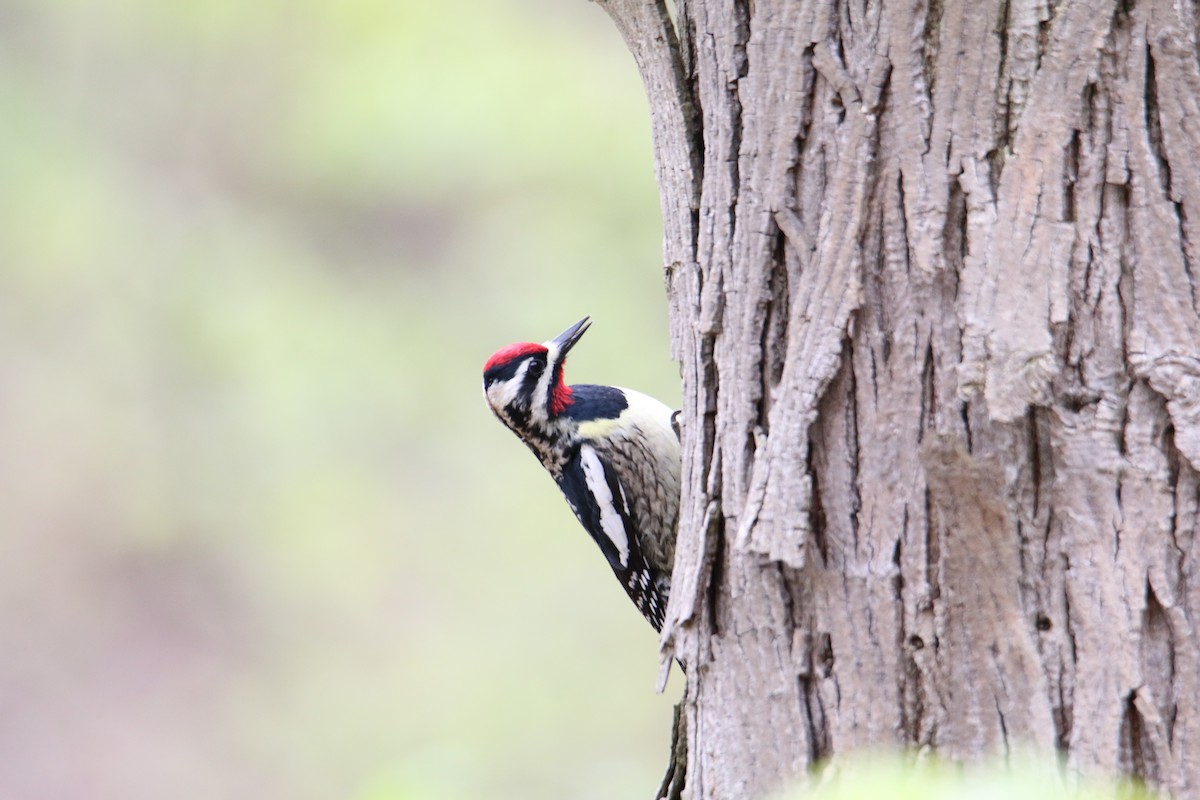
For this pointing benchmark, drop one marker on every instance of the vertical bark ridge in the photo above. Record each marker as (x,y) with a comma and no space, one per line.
(939,327)
(1172,359)
(828,289)
(1020,291)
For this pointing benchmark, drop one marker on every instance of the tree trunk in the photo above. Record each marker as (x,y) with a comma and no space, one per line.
(932,269)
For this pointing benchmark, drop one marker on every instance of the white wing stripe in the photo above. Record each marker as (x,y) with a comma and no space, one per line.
(610,518)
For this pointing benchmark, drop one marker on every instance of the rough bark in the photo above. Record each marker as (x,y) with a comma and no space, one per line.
(932,268)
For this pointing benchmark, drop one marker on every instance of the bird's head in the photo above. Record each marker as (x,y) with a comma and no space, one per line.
(523,383)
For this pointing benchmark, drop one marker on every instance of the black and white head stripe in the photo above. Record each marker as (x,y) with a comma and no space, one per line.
(507,362)
(524,380)
(504,372)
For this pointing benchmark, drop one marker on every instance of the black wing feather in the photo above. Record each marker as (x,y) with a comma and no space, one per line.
(646,589)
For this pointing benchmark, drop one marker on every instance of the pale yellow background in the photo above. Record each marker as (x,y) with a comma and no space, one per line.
(261,538)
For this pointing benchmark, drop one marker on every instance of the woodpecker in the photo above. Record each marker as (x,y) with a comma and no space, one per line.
(613,452)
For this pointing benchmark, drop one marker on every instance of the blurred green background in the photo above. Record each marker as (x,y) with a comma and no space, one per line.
(261,537)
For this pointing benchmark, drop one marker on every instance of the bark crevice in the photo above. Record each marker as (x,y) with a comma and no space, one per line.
(948,293)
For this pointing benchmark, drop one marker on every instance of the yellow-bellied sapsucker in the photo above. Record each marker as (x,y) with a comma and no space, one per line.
(613,452)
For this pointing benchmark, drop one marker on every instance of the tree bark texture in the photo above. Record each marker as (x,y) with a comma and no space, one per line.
(932,267)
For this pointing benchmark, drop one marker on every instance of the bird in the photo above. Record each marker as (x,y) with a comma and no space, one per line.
(614,453)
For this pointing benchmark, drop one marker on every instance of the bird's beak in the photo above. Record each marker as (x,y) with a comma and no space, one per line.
(567,339)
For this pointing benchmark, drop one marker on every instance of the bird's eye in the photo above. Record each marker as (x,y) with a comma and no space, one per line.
(536,366)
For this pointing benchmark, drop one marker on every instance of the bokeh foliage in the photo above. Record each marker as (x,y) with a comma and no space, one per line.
(262,538)
(1020,776)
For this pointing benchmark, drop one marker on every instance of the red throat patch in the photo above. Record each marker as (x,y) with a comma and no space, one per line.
(506,354)
(560,397)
